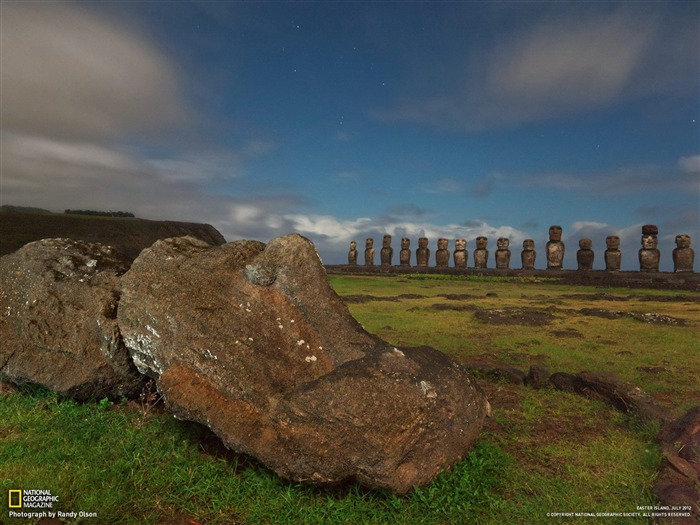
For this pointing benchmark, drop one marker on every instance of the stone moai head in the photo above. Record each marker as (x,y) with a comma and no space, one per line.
(585,244)
(405,243)
(369,243)
(683,240)
(442,244)
(386,241)
(422,242)
(481,242)
(528,245)
(612,242)
(555,233)
(460,245)
(353,246)
(649,236)
(503,243)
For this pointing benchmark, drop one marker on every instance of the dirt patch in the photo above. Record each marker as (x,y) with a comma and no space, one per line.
(597,297)
(569,332)
(365,298)
(362,298)
(453,307)
(514,316)
(459,296)
(668,298)
(648,317)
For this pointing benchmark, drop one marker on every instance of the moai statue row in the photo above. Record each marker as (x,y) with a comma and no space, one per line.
(649,255)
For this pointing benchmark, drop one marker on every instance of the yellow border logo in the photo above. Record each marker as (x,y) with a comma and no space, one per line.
(18,505)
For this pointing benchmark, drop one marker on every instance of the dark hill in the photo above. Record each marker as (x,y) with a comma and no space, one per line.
(127,235)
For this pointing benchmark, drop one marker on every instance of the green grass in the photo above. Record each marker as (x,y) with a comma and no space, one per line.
(541,451)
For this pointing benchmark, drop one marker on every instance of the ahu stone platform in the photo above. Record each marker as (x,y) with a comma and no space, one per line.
(660,280)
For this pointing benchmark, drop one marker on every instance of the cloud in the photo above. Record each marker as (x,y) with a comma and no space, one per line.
(690,164)
(625,180)
(444,185)
(72,74)
(562,63)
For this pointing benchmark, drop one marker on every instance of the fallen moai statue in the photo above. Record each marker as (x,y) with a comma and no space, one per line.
(250,340)
(58,328)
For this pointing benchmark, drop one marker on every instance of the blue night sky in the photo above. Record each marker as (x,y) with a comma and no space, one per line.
(347,120)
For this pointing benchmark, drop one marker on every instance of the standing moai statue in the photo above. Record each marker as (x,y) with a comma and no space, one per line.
(461,254)
(528,255)
(352,254)
(613,255)
(503,253)
(423,252)
(481,254)
(683,254)
(387,251)
(442,255)
(585,254)
(405,253)
(649,255)
(555,249)
(369,252)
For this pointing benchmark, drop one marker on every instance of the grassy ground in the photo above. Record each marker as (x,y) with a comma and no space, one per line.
(542,451)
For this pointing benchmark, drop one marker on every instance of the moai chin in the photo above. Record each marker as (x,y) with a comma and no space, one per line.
(683,254)
(528,255)
(585,254)
(387,251)
(649,255)
(503,253)
(423,252)
(461,254)
(613,255)
(442,255)
(405,253)
(369,252)
(555,249)
(481,254)
(352,254)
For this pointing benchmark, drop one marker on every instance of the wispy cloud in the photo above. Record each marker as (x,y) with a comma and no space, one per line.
(626,180)
(559,65)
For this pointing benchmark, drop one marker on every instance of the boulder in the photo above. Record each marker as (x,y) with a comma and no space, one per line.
(250,340)
(58,327)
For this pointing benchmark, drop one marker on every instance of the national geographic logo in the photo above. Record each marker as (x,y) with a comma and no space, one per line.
(15,499)
(31,499)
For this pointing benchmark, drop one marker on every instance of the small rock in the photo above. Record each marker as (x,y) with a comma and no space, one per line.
(537,376)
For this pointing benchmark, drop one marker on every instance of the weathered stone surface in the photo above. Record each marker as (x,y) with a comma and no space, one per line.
(251,340)
(608,387)
(686,433)
(58,299)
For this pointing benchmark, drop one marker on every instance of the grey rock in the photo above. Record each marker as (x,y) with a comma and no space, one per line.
(58,304)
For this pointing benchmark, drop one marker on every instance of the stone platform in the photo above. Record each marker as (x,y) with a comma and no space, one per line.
(657,280)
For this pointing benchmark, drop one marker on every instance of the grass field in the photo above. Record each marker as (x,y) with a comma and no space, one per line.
(542,451)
